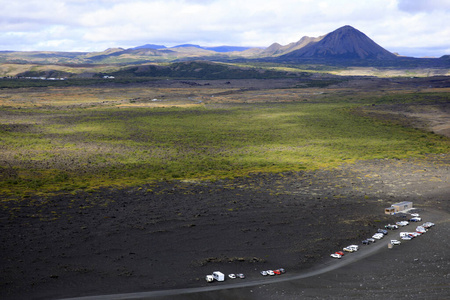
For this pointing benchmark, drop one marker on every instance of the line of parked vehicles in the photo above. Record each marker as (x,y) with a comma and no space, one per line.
(273,272)
(382,232)
(219,276)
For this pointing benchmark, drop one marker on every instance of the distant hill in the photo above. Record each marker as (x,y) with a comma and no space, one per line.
(276,49)
(220,49)
(343,43)
(201,70)
(227,48)
(149,46)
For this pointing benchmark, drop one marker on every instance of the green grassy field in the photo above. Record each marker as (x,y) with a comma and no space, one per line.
(49,150)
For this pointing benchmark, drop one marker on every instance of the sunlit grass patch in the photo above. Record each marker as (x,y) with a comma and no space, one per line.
(73,149)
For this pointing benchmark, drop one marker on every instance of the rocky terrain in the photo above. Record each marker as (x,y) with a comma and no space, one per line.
(171,235)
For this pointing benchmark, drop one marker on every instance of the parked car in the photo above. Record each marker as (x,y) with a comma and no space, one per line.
(383,231)
(270,272)
(347,249)
(232,276)
(406,238)
(391,226)
(415,215)
(340,253)
(365,242)
(371,240)
(421,229)
(277,272)
(395,242)
(402,223)
(264,273)
(428,224)
(334,255)
(378,236)
(282,270)
(240,275)
(415,219)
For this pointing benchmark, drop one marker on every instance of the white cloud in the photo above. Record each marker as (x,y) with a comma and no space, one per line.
(414,6)
(98,24)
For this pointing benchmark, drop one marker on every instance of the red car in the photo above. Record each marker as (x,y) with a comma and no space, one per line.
(278,272)
(340,253)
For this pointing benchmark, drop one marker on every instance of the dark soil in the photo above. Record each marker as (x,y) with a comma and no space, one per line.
(171,235)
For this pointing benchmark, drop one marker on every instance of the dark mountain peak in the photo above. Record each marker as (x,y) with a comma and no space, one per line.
(347,28)
(344,43)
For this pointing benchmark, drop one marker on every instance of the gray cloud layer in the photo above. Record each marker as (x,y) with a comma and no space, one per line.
(94,25)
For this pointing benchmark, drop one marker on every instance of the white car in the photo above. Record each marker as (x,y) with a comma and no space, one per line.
(334,255)
(264,273)
(395,242)
(378,236)
(428,224)
(420,229)
(402,223)
(270,272)
(232,276)
(406,238)
(415,215)
(351,248)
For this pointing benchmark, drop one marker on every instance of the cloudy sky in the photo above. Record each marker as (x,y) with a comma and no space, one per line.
(409,27)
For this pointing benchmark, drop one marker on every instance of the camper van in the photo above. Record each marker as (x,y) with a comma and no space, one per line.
(219,276)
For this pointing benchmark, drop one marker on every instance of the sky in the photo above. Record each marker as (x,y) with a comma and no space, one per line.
(415,28)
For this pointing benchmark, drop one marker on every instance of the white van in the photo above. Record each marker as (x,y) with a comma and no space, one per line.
(219,276)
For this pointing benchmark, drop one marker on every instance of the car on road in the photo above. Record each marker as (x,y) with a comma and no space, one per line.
(395,242)
(334,255)
(264,273)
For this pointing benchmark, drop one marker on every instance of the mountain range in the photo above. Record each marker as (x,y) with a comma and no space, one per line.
(344,46)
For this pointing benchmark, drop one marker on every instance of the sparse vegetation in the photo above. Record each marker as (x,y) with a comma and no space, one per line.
(68,142)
